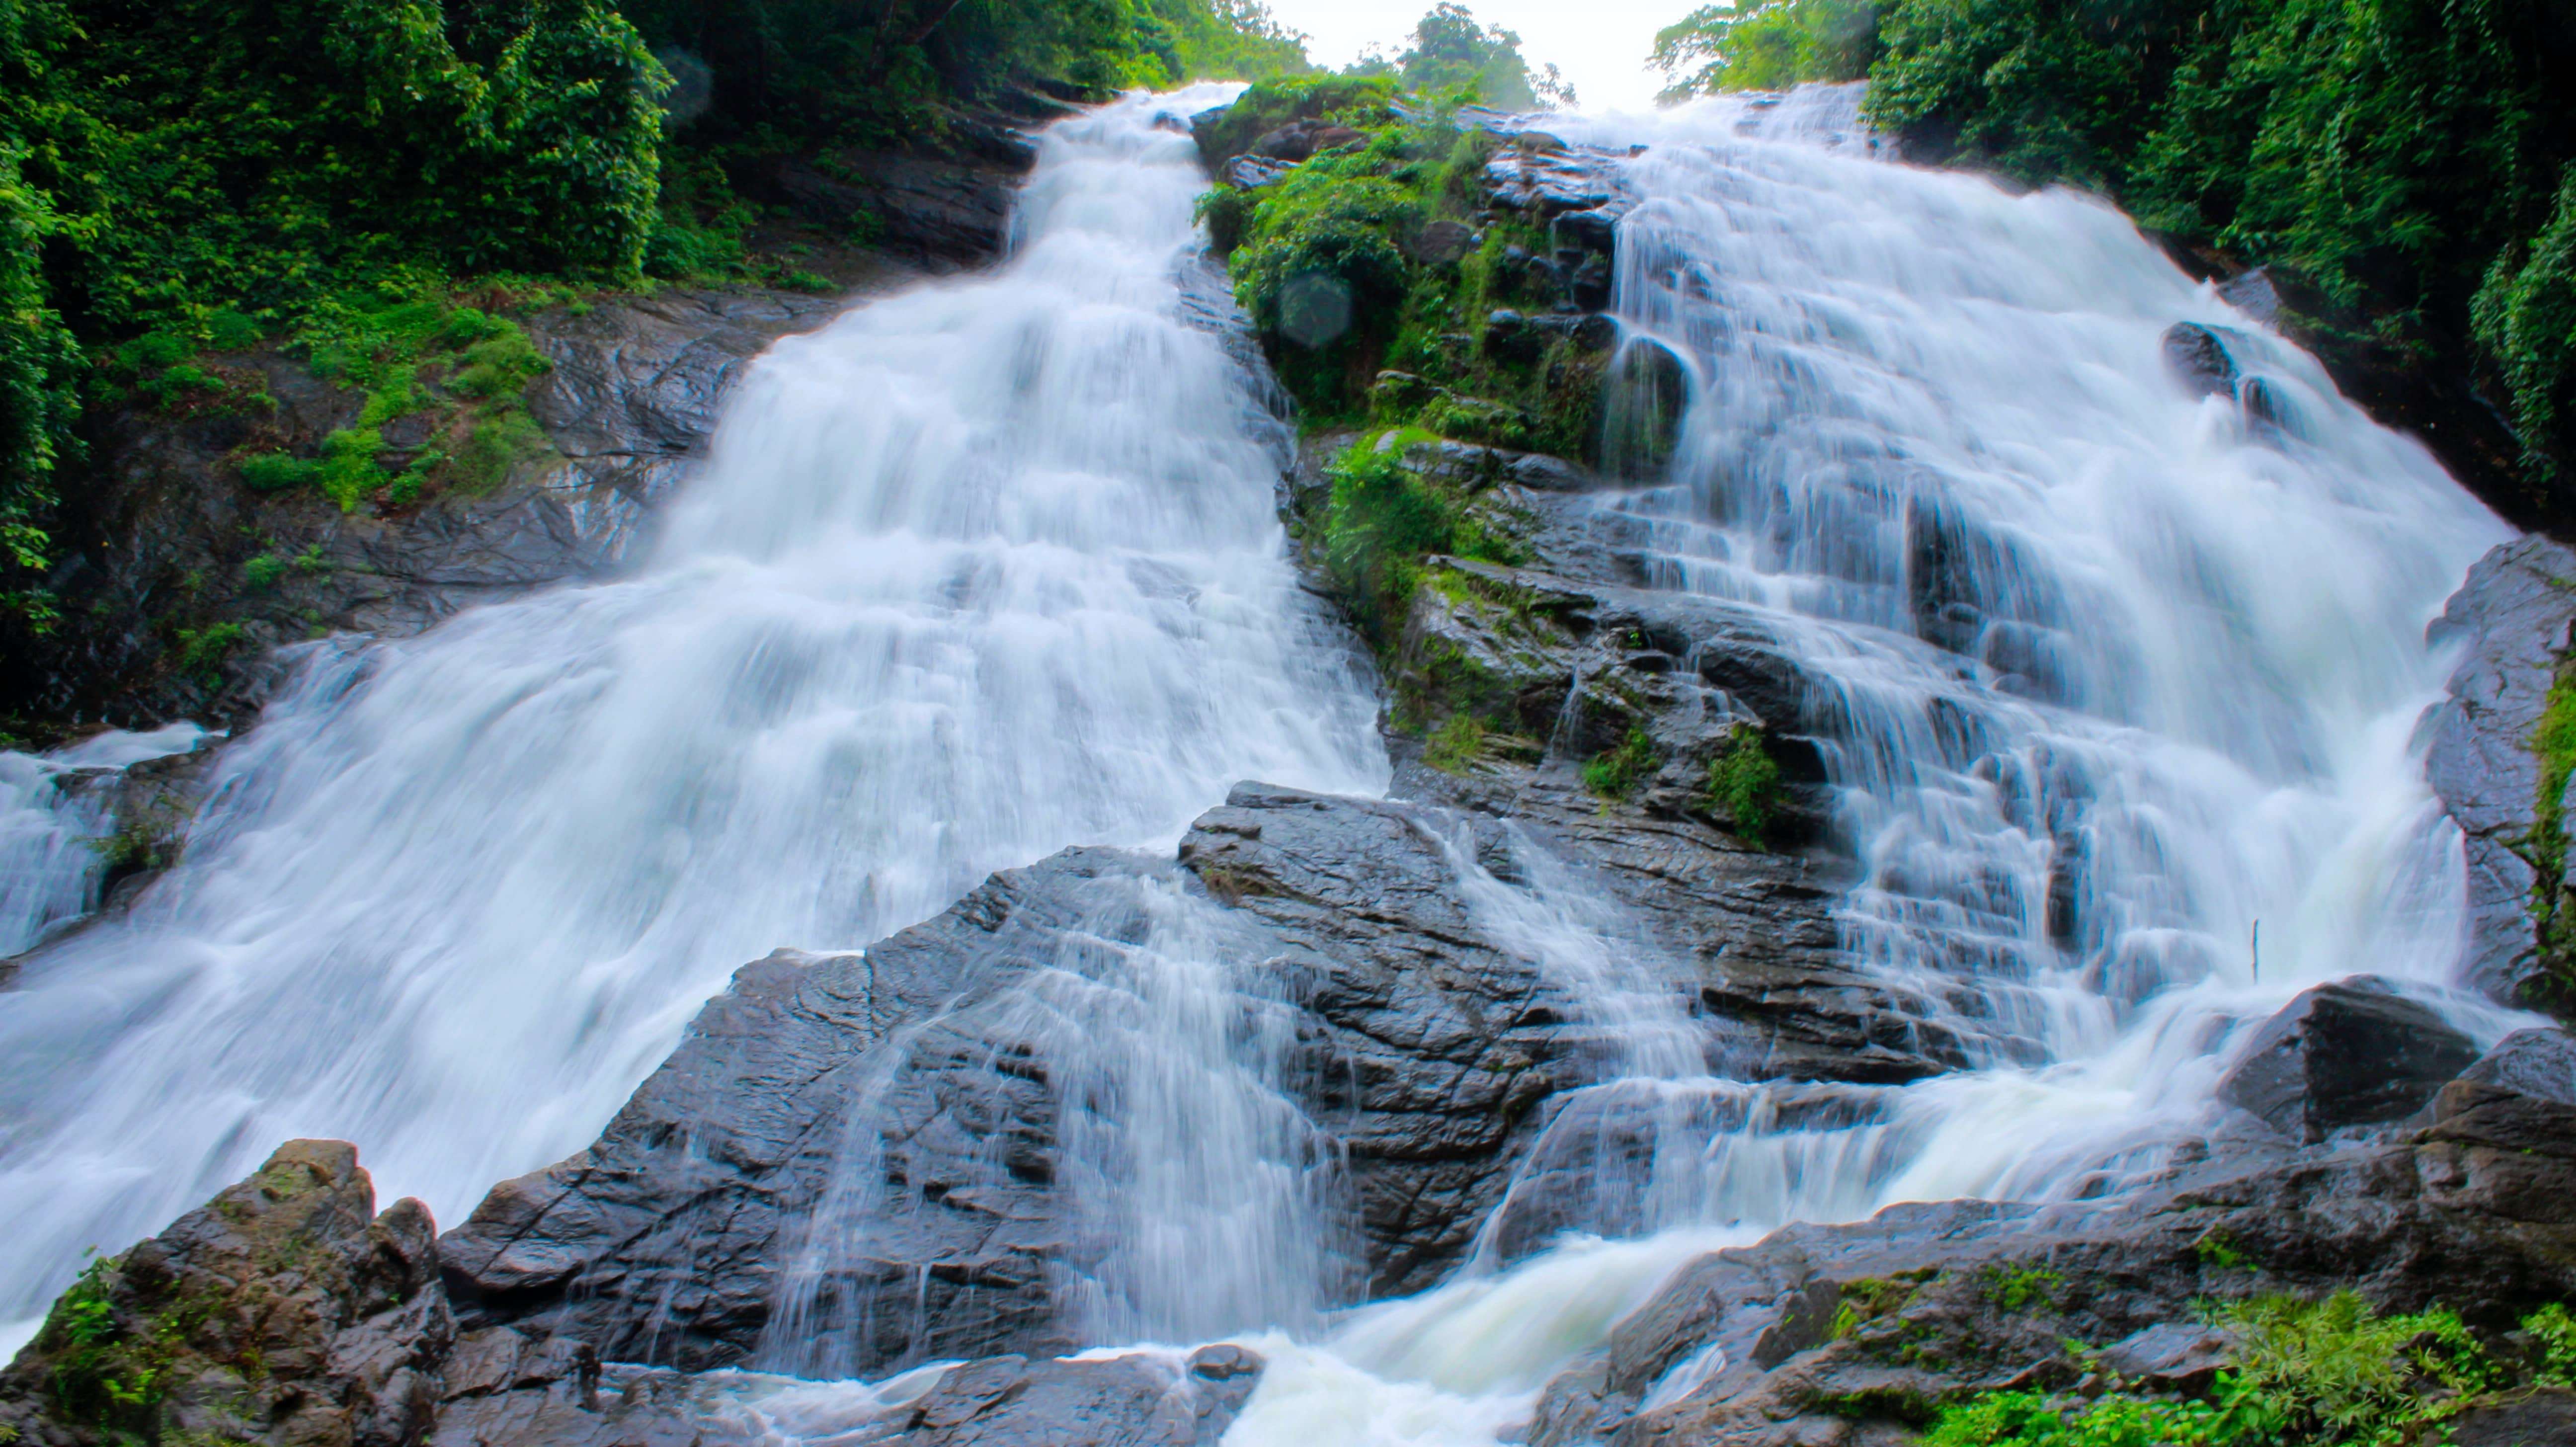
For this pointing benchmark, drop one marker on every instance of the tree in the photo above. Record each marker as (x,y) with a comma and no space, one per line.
(1451,51)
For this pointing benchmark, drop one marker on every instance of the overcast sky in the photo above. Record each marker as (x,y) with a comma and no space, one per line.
(1601,45)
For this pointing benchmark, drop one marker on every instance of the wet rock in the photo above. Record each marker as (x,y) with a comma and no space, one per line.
(2199,360)
(2171,1357)
(2352,1053)
(1304,140)
(162,515)
(2538,1063)
(2543,1415)
(2512,620)
(1131,1401)
(1852,1334)
(1442,243)
(1642,404)
(1539,174)
(285,1310)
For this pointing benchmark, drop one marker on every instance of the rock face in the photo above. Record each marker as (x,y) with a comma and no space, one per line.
(1427,1037)
(2351,1053)
(1857,1334)
(633,394)
(286,1311)
(2512,621)
(2537,1063)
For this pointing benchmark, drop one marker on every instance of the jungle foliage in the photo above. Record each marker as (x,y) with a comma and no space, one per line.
(185,177)
(2329,1373)
(1449,53)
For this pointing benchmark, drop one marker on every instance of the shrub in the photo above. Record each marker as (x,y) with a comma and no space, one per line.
(1744,785)
(1456,744)
(1616,772)
(1381,521)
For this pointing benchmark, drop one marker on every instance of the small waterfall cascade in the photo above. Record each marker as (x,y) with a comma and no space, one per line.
(982,570)
(53,814)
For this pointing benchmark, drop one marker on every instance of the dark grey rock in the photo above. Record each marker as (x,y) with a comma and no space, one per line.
(2198,358)
(1540,174)
(1850,1334)
(2541,1417)
(1642,405)
(2512,619)
(1443,242)
(2540,1063)
(1130,1401)
(2171,1356)
(2345,1054)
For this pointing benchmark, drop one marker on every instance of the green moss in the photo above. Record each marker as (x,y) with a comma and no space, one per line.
(1869,1299)
(1616,772)
(2219,1249)
(2553,744)
(1744,786)
(135,847)
(263,572)
(2022,1287)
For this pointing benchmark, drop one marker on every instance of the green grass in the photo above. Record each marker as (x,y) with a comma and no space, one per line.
(1454,747)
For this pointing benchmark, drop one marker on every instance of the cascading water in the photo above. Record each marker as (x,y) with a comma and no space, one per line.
(52,814)
(982,570)
(2109,678)
(2105,675)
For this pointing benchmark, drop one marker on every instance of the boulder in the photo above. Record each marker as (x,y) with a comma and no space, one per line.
(1643,401)
(2198,358)
(1441,243)
(1128,1401)
(1304,140)
(2541,1417)
(2345,1054)
(2538,1063)
(286,1310)
(2511,621)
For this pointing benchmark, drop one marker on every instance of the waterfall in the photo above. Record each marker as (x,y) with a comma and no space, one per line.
(2107,675)
(982,570)
(53,812)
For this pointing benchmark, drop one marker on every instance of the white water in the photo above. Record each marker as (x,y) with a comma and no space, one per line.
(982,570)
(2199,660)
(53,810)
(951,598)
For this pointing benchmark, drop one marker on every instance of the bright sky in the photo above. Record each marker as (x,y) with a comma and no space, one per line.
(1601,45)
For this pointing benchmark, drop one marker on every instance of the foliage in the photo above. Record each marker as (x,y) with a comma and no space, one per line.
(2403,157)
(2553,745)
(107,1372)
(2327,1373)
(2525,316)
(1381,520)
(1363,101)
(1617,771)
(1744,785)
(1231,40)
(1765,45)
(201,651)
(1456,744)
(37,367)
(1451,53)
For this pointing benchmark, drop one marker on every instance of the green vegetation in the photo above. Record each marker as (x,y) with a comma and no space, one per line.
(1450,54)
(195,179)
(1377,297)
(1766,45)
(2553,744)
(1872,1298)
(1617,772)
(2308,1374)
(106,1374)
(2022,1287)
(1744,785)
(1455,746)
(1382,521)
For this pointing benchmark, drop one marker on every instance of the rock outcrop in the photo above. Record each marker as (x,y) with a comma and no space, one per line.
(2346,1054)
(1429,1038)
(287,1311)
(2512,620)
(1857,1334)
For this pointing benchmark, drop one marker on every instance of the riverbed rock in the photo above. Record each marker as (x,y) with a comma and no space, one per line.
(2351,1053)
(2512,619)
(2198,358)
(2539,1063)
